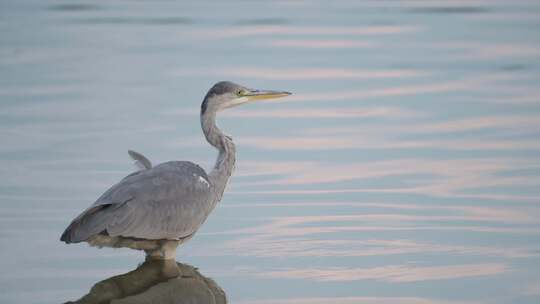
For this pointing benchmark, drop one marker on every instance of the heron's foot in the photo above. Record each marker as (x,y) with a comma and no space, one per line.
(166,251)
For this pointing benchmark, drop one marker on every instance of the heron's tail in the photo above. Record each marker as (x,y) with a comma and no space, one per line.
(66,236)
(86,225)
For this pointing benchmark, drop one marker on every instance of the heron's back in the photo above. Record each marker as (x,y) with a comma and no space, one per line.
(168,201)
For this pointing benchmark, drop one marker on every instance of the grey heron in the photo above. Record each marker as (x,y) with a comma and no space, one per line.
(157,208)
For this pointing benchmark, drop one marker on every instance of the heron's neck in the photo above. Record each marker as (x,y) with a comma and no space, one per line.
(224,166)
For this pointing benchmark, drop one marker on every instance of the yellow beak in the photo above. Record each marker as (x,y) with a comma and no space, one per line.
(265,94)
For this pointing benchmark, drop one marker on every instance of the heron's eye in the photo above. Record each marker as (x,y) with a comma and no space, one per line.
(240,92)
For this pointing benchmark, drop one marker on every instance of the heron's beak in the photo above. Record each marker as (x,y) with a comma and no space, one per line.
(254,95)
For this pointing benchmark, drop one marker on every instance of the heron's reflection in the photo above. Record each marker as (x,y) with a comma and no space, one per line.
(157,281)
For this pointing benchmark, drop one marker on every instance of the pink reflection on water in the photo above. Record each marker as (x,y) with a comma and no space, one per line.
(533,289)
(392,274)
(458,125)
(476,123)
(318,44)
(448,178)
(280,246)
(504,215)
(269,168)
(299,236)
(300,143)
(495,197)
(384,92)
(506,16)
(302,73)
(473,83)
(347,142)
(356,300)
(314,73)
(387,112)
(238,31)
(489,51)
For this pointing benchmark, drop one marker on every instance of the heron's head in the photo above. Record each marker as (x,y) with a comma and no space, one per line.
(226,94)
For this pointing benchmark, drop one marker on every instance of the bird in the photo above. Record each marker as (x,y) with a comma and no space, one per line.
(157,208)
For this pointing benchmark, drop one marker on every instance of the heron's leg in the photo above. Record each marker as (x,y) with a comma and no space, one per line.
(165,251)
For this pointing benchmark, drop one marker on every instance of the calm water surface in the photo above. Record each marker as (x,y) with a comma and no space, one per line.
(404,169)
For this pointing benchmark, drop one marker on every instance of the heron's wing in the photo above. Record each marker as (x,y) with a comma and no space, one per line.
(140,160)
(169,201)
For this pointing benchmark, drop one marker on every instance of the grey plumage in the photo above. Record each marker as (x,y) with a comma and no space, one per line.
(145,205)
(162,206)
(140,160)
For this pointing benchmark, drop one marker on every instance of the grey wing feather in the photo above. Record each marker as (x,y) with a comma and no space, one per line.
(169,201)
(140,160)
